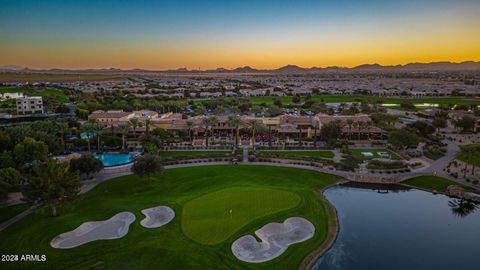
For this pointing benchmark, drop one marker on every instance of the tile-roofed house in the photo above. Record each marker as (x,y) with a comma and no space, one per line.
(111,116)
(325,118)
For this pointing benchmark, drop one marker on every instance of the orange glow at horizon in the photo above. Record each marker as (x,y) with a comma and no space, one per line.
(344,54)
(424,40)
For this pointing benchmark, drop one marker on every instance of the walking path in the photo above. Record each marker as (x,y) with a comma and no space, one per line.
(245,154)
(16,218)
(435,168)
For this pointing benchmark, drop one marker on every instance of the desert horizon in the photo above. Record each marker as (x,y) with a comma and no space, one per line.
(242,134)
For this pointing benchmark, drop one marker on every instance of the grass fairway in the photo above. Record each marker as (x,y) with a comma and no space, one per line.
(432,183)
(320,154)
(370,99)
(358,153)
(8,212)
(169,247)
(49,95)
(208,219)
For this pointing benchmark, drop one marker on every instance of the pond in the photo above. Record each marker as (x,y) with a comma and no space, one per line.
(398,228)
(110,160)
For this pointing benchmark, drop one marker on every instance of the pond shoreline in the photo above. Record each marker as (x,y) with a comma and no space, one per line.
(332,234)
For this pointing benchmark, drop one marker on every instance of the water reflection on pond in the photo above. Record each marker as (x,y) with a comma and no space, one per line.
(399,228)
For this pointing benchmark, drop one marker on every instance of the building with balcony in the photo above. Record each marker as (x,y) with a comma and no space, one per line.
(29,105)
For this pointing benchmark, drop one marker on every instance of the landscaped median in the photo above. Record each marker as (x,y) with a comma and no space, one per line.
(215,204)
(313,158)
(177,157)
(371,153)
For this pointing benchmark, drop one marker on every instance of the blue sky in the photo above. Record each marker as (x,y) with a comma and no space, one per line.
(234,28)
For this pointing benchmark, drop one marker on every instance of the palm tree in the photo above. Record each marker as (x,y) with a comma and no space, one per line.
(475,156)
(123,129)
(461,207)
(254,126)
(355,124)
(134,123)
(235,122)
(299,135)
(269,136)
(469,152)
(361,126)
(189,128)
(88,127)
(208,124)
(98,129)
(368,125)
(62,128)
(148,122)
(315,129)
(350,124)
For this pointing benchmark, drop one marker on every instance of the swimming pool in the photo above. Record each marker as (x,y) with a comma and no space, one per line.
(85,135)
(111,160)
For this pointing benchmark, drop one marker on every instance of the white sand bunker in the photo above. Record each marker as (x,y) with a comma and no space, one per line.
(276,237)
(113,228)
(157,216)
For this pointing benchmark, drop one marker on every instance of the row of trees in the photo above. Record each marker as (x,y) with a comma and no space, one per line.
(466,123)
(93,129)
(25,164)
(470,155)
(92,102)
(52,132)
(48,182)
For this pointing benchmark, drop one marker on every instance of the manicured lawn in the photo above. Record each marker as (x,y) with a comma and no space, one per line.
(193,154)
(49,95)
(322,154)
(169,247)
(212,218)
(475,160)
(358,153)
(8,212)
(432,183)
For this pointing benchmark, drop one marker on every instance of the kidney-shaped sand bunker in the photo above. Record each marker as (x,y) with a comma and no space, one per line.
(157,216)
(112,228)
(276,237)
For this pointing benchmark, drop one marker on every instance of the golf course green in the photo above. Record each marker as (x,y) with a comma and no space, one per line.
(212,218)
(257,195)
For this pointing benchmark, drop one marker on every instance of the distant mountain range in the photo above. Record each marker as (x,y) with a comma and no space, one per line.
(288,69)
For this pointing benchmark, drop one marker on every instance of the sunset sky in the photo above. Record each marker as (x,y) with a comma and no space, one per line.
(261,34)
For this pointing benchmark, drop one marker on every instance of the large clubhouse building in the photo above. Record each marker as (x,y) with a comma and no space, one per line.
(283,127)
